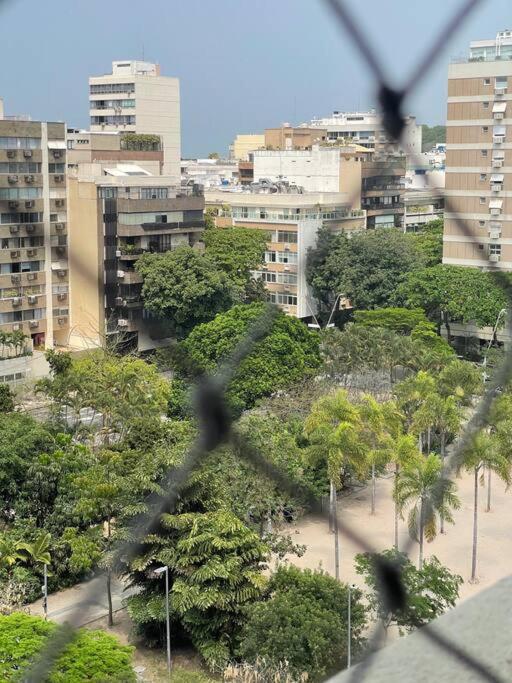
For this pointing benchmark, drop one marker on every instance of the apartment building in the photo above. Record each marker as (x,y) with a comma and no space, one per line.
(34,288)
(243,144)
(365,128)
(292,222)
(479,156)
(382,191)
(115,218)
(112,147)
(136,98)
(293,137)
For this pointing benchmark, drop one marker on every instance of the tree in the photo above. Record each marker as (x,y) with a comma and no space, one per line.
(430,591)
(438,414)
(431,135)
(460,379)
(288,353)
(456,293)
(6,399)
(185,288)
(366,268)
(412,392)
(216,570)
(303,622)
(316,265)
(403,454)
(236,251)
(429,242)
(401,320)
(422,487)
(484,451)
(92,656)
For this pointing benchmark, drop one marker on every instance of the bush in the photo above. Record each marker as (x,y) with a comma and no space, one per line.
(303,623)
(6,399)
(92,656)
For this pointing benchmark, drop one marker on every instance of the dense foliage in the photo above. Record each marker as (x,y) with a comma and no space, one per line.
(431,135)
(92,656)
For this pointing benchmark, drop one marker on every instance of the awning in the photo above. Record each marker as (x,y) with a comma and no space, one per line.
(498,154)
(499,130)
(59,265)
(499,108)
(56,144)
(497,178)
(495,203)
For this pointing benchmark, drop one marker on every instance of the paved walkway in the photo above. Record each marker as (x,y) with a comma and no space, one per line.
(62,605)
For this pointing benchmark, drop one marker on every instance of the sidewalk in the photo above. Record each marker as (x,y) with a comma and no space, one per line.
(62,605)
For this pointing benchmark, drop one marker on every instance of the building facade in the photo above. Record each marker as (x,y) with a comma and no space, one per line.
(479,157)
(382,191)
(242,145)
(34,283)
(293,137)
(136,98)
(292,222)
(115,220)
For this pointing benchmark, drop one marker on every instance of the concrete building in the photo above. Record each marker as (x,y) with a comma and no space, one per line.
(34,289)
(365,128)
(209,172)
(421,206)
(382,191)
(289,137)
(243,144)
(479,156)
(115,219)
(107,148)
(136,98)
(292,221)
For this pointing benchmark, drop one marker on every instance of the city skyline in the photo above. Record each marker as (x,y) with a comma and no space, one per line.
(228,57)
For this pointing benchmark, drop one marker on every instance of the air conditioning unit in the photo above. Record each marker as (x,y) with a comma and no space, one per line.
(11,154)
(62,296)
(122,322)
(15,253)
(495,212)
(27,153)
(62,272)
(495,233)
(497,163)
(59,226)
(14,229)
(494,258)
(59,202)
(16,301)
(120,273)
(29,179)
(59,178)
(31,252)
(32,299)
(16,327)
(30,228)
(11,179)
(496,187)
(286,268)
(498,139)
(118,253)
(119,300)
(30,204)
(33,323)
(31,276)
(62,320)
(498,115)
(15,278)
(13,204)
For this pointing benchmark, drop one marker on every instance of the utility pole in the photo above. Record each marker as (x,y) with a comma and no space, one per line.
(165,570)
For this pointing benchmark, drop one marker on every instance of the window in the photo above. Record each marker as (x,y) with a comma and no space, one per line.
(263,213)
(110,88)
(481,224)
(154,192)
(19,167)
(286,257)
(483,152)
(500,82)
(481,247)
(485,105)
(244,212)
(270,257)
(287,236)
(487,81)
(56,168)
(20,143)
(482,200)
(483,176)
(20,192)
(485,129)
(283,299)
(495,249)
(117,120)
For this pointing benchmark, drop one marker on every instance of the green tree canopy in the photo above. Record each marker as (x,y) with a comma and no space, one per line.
(92,656)
(402,320)
(287,354)
(429,242)
(236,251)
(367,267)
(431,135)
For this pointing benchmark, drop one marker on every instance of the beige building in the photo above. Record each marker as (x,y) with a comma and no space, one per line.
(243,144)
(292,221)
(136,98)
(479,156)
(115,219)
(290,137)
(34,288)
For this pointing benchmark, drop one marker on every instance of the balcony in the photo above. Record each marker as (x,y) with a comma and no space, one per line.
(129,277)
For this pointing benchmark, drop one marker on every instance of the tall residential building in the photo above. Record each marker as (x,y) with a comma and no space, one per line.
(33,231)
(365,128)
(136,98)
(114,219)
(479,156)
(292,221)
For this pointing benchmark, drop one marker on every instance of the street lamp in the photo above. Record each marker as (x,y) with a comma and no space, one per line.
(162,570)
(349,629)
(45,590)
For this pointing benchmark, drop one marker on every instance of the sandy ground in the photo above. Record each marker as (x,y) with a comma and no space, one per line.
(453,549)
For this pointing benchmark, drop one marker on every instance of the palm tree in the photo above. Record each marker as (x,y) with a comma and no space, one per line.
(38,551)
(484,451)
(11,551)
(422,487)
(500,424)
(331,429)
(404,452)
(411,393)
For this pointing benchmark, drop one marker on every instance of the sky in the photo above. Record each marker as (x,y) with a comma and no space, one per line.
(243,65)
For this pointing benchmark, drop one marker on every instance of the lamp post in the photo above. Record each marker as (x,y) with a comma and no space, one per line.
(162,570)
(45,591)
(349,629)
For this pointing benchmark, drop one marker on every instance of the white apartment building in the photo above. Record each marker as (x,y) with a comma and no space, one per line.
(292,222)
(365,128)
(136,98)
(479,156)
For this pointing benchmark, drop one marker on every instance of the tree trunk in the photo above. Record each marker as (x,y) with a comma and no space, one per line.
(420,560)
(373,489)
(475,529)
(443,445)
(397,469)
(336,542)
(488,508)
(109,598)
(428,441)
(420,442)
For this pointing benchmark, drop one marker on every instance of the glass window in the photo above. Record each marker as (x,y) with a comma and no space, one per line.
(485,105)
(286,257)
(484,152)
(110,88)
(487,81)
(56,168)
(154,192)
(485,129)
(483,176)
(270,256)
(286,236)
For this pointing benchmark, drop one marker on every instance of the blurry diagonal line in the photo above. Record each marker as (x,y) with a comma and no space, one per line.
(214,428)
(360,41)
(455,650)
(439,44)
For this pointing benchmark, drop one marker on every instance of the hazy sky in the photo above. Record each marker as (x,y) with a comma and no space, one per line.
(243,64)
